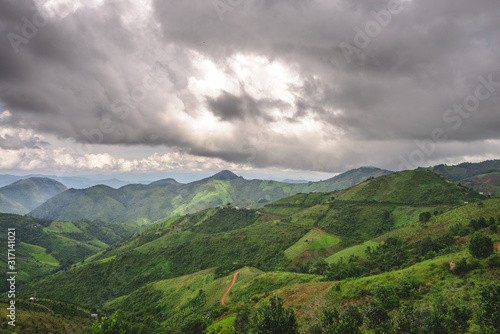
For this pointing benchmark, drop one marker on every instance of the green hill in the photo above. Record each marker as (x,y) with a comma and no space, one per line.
(267,239)
(483,176)
(415,188)
(365,246)
(144,204)
(24,195)
(44,246)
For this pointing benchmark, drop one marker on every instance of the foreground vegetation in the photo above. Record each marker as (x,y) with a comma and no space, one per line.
(407,252)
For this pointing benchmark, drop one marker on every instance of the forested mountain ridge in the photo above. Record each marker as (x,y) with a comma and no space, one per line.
(22,196)
(144,204)
(483,176)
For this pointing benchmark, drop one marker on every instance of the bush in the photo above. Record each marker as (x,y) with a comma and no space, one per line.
(347,323)
(407,320)
(493,261)
(489,315)
(276,319)
(481,246)
(445,319)
(377,317)
(111,325)
(386,295)
(424,217)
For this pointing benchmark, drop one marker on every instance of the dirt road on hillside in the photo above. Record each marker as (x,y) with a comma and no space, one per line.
(223,299)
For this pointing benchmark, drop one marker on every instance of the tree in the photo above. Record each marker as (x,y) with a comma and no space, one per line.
(377,317)
(489,315)
(245,321)
(407,320)
(276,319)
(424,217)
(480,246)
(474,224)
(346,323)
(111,325)
(193,324)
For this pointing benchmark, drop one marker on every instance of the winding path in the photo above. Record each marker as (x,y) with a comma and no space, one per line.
(223,299)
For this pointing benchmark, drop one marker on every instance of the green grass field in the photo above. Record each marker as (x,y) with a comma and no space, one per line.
(38,253)
(62,227)
(303,244)
(325,241)
(221,325)
(358,250)
(309,216)
(444,222)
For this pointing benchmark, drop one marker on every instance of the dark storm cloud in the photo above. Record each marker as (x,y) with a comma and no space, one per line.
(229,107)
(428,57)
(92,77)
(83,76)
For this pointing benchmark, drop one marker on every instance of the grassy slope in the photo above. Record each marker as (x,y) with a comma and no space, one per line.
(219,237)
(416,188)
(175,247)
(487,183)
(185,245)
(358,250)
(303,244)
(483,176)
(43,246)
(46,316)
(175,296)
(435,280)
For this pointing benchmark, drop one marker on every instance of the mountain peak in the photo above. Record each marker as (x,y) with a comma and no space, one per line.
(44,182)
(225,175)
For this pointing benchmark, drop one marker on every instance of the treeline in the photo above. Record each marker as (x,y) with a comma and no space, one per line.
(395,254)
(225,220)
(391,310)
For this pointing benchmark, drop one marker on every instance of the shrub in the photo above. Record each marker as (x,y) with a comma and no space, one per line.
(347,323)
(276,319)
(386,295)
(407,320)
(489,315)
(424,217)
(376,316)
(481,246)
(493,261)
(111,325)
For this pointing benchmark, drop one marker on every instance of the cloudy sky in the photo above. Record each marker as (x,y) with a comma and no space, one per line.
(273,86)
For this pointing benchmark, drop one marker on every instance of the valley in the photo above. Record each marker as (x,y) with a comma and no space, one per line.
(385,245)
